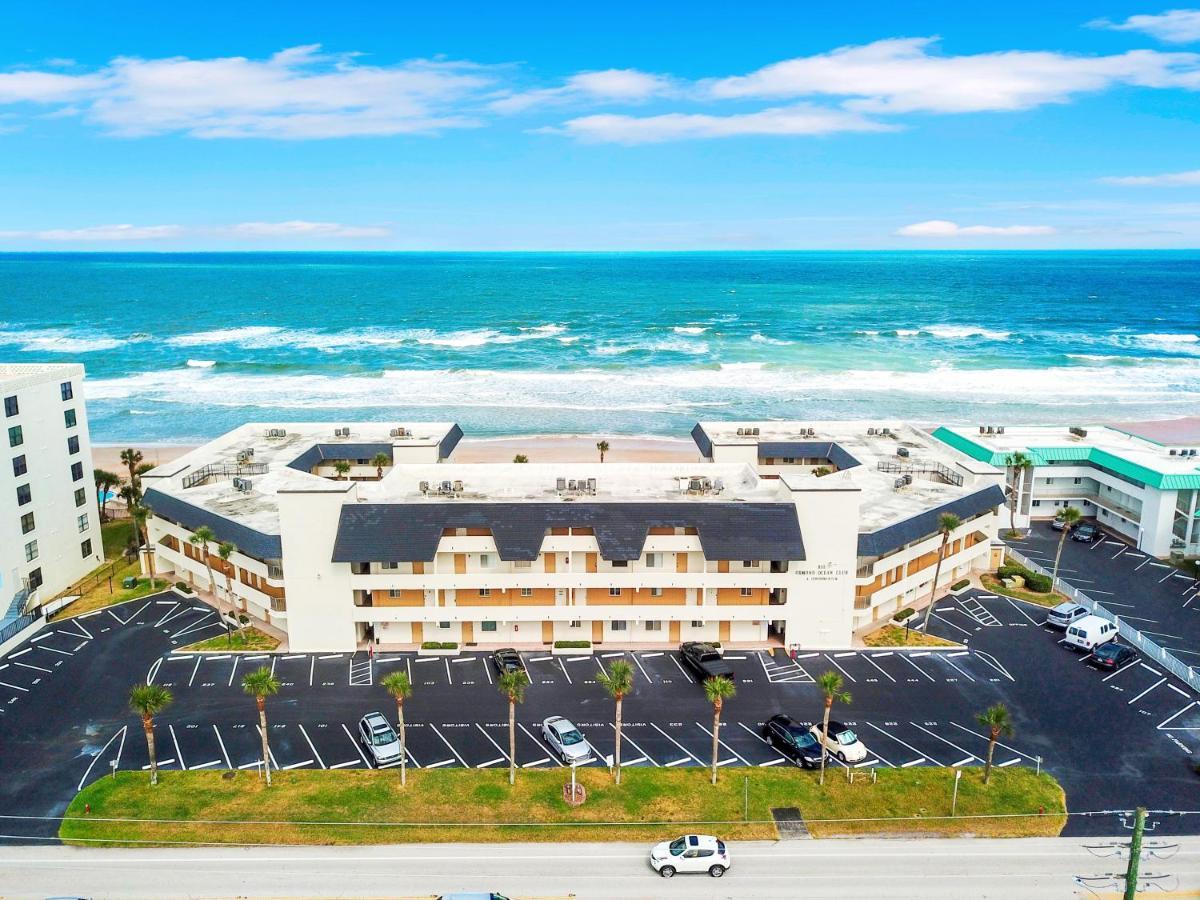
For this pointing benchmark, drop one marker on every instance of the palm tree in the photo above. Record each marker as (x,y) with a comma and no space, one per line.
(998,722)
(520,458)
(398,685)
(202,537)
(261,684)
(1020,464)
(342,467)
(131,457)
(618,681)
(379,460)
(512,685)
(831,686)
(147,701)
(602,446)
(947,523)
(140,515)
(718,689)
(105,482)
(1069,516)
(226,549)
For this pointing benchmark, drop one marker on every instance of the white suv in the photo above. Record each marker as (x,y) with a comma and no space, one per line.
(378,736)
(691,853)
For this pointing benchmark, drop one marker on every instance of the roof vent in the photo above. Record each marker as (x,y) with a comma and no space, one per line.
(275,433)
(424,487)
(1176,453)
(243,484)
(560,484)
(741,432)
(591,485)
(871,432)
(755,430)
(902,451)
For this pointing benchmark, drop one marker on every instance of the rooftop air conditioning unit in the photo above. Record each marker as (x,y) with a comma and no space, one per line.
(991,430)
(900,482)
(886,432)
(1176,453)
(424,487)
(999,429)
(395,432)
(741,432)
(902,451)
(871,431)
(447,487)
(1192,453)
(908,479)
(756,432)
(982,430)
(458,487)
(560,484)
(572,485)
(591,485)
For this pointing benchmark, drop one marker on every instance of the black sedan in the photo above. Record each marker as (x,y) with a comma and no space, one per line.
(1112,656)
(1087,533)
(793,740)
(506,659)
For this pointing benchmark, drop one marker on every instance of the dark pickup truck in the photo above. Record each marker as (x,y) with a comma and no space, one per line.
(704,660)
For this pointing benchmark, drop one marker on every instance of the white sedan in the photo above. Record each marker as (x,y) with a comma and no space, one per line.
(691,853)
(842,743)
(566,741)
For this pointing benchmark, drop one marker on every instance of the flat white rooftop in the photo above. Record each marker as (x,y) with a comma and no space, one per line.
(16,375)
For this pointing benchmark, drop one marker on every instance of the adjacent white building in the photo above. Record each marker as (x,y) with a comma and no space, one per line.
(779,532)
(49,521)
(1140,480)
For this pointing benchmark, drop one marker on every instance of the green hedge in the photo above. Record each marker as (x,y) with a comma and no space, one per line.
(439,645)
(903,614)
(183,586)
(1034,581)
(959,585)
(572,645)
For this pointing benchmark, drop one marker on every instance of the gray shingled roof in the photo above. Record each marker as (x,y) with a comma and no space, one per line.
(318,453)
(449,442)
(410,532)
(808,449)
(249,541)
(893,537)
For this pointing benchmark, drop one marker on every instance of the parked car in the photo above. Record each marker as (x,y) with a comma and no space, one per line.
(704,659)
(793,740)
(1090,632)
(506,659)
(566,740)
(1058,524)
(377,735)
(842,742)
(691,853)
(1112,656)
(1064,614)
(1087,532)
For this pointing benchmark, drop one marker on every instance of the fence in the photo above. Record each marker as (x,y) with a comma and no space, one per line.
(17,625)
(108,572)
(1149,648)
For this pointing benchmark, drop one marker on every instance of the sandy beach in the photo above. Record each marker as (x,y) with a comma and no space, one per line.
(544,448)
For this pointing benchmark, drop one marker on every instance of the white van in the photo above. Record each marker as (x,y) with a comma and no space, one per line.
(1089,633)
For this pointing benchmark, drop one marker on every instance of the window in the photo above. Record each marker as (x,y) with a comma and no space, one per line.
(393,592)
(31,551)
(35,579)
(614,592)
(747,564)
(526,592)
(16,437)
(80,496)
(82,521)
(485,592)
(76,471)
(68,392)
(618,625)
(444,625)
(655,592)
(73,444)
(10,406)
(696,624)
(1037,502)
(653,625)
(1079,481)
(747,592)
(274,570)
(27,524)
(575,624)
(389,565)
(69,417)
(652,560)
(484,560)
(620,564)
(23,494)
(19,466)
(85,549)
(487,626)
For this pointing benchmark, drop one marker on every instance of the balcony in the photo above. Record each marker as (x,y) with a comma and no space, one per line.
(1071,493)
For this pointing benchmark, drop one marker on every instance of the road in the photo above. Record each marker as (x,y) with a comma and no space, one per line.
(1029,868)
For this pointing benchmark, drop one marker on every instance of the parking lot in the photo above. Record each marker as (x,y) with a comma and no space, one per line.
(1114,740)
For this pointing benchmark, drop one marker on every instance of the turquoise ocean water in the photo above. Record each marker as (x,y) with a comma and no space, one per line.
(180,347)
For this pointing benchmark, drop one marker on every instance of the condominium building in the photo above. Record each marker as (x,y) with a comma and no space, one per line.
(1141,480)
(49,522)
(778,532)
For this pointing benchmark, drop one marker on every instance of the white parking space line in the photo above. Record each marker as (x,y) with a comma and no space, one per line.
(1024,614)
(175,741)
(970,755)
(839,668)
(681,669)
(1147,690)
(639,665)
(224,752)
(904,656)
(166,614)
(994,663)
(195,669)
(490,762)
(233,671)
(358,749)
(138,613)
(1006,764)
(311,747)
(561,665)
(14,687)
(444,741)
(963,672)
(207,765)
(121,735)
(436,765)
(1118,672)
(922,756)
(1162,726)
(1137,567)
(868,658)
(677,744)
(998,743)
(500,749)
(299,765)
(946,621)
(38,668)
(723,744)
(536,762)
(541,743)
(625,738)
(51,649)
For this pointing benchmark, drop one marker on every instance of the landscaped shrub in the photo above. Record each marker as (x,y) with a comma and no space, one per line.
(183,586)
(572,645)
(1011,570)
(439,645)
(959,585)
(1039,584)
(903,614)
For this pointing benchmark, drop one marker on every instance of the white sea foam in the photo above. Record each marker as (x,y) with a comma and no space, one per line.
(741,366)
(660,345)
(250,336)
(965,331)
(690,329)
(868,332)
(201,363)
(760,338)
(273,336)
(907,332)
(1169,340)
(50,340)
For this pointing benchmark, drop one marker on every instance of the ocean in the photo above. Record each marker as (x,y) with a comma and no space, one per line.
(180,347)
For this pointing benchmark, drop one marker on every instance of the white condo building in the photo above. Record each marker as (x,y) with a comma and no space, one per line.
(791,533)
(49,522)
(1141,480)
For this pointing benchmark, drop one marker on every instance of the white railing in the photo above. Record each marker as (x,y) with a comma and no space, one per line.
(1149,648)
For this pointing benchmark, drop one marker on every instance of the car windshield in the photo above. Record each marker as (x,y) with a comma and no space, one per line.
(1107,650)
(570,737)
(846,737)
(805,739)
(678,846)
(382,737)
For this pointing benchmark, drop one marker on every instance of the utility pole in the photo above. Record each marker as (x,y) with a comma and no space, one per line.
(1135,853)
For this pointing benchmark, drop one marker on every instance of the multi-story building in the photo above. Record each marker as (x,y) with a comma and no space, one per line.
(1140,480)
(370,531)
(49,522)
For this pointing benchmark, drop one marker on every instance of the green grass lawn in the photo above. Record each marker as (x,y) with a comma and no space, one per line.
(1049,599)
(249,639)
(201,806)
(895,636)
(99,597)
(116,536)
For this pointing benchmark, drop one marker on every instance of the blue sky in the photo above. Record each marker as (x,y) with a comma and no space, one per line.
(150,126)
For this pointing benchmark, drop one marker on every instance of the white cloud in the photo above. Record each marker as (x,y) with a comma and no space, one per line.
(901,75)
(604,86)
(1176,26)
(1167,179)
(799,119)
(100,233)
(28,86)
(941,228)
(243,230)
(300,228)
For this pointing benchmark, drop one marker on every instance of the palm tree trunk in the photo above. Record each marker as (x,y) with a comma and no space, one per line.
(987,768)
(512,741)
(824,733)
(148,725)
(716,743)
(617,748)
(1057,555)
(1012,507)
(937,573)
(403,749)
(262,726)
(150,564)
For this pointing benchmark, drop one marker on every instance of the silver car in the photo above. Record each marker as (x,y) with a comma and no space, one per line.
(377,735)
(566,740)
